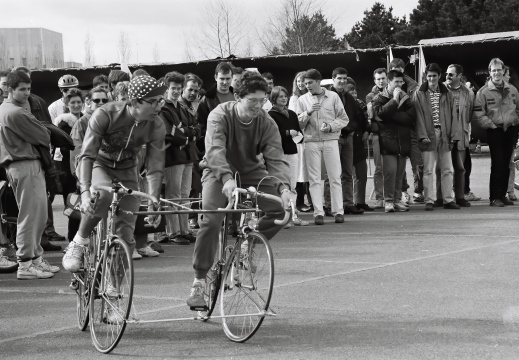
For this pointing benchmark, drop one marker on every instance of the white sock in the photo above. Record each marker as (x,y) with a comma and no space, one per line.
(80,240)
(37,261)
(202,281)
(24,264)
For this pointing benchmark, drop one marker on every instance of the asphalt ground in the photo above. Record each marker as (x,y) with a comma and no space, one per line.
(415,285)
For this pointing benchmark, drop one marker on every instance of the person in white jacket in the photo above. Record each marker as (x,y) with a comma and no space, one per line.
(322,116)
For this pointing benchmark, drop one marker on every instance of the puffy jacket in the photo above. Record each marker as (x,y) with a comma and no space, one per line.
(332,113)
(181,134)
(493,108)
(424,122)
(397,119)
(207,104)
(465,115)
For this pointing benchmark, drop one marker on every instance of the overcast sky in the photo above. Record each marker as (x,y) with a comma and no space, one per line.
(167,23)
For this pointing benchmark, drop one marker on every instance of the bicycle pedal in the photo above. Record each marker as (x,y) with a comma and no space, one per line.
(199,308)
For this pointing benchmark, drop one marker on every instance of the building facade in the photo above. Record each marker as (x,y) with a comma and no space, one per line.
(36,48)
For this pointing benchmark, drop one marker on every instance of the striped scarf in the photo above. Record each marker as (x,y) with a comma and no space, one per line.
(435,105)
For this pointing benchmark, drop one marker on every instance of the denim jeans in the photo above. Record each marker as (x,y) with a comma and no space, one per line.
(501,144)
(378,176)
(393,167)
(441,155)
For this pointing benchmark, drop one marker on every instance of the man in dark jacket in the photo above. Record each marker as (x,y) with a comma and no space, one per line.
(395,113)
(380,79)
(219,93)
(182,131)
(340,80)
(437,135)
(410,87)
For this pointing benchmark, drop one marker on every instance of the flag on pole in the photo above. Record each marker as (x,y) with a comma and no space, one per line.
(421,67)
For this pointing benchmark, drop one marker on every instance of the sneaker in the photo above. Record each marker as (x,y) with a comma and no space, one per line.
(401,207)
(462,203)
(389,207)
(32,272)
(73,259)
(147,251)
(193,224)
(45,266)
(54,236)
(319,220)
(189,237)
(299,222)
(418,198)
(364,207)
(451,205)
(7,266)
(511,196)
(156,247)
(507,201)
(179,240)
(136,255)
(497,202)
(9,253)
(47,246)
(196,298)
(429,207)
(339,218)
(111,292)
(379,204)
(471,197)
(304,208)
(162,237)
(353,210)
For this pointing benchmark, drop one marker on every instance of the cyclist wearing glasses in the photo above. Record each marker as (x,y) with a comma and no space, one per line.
(241,138)
(116,133)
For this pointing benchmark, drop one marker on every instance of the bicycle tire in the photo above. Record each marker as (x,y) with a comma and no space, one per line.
(516,182)
(247,284)
(85,277)
(214,275)
(111,294)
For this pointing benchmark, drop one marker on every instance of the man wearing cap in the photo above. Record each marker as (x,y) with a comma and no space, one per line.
(116,133)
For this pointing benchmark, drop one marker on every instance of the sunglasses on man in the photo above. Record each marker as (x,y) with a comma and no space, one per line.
(97,101)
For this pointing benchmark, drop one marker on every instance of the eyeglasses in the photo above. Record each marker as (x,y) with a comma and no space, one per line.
(450,74)
(156,102)
(261,101)
(97,101)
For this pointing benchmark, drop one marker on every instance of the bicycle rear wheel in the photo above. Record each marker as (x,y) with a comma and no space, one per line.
(246,288)
(84,278)
(214,276)
(111,296)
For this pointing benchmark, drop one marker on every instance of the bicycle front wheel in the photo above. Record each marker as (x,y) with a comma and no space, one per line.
(246,288)
(111,296)
(86,276)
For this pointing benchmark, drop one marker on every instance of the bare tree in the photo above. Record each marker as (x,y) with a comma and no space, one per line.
(156,53)
(89,50)
(222,30)
(124,47)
